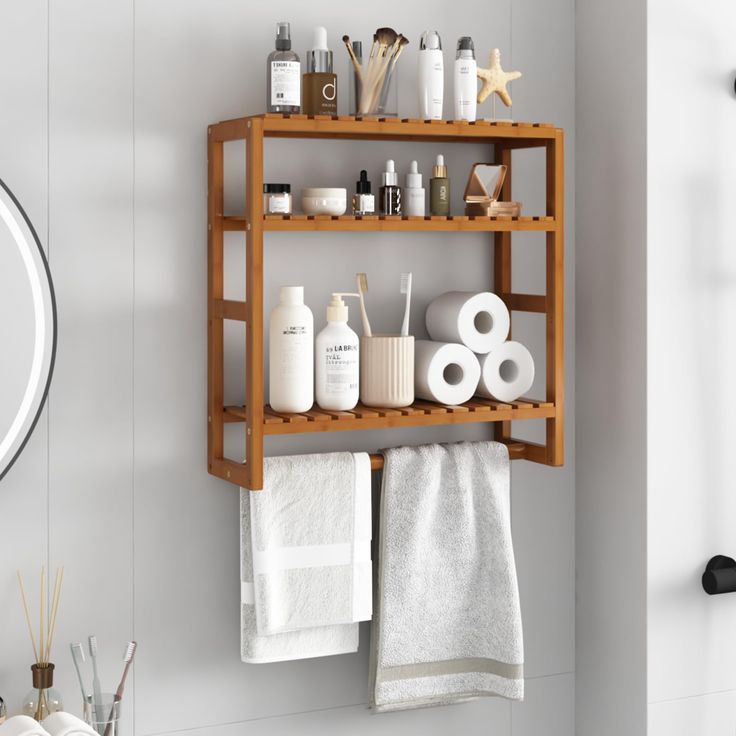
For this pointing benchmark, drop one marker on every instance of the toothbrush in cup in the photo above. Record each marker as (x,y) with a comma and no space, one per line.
(96,687)
(78,657)
(361,280)
(405,288)
(128,659)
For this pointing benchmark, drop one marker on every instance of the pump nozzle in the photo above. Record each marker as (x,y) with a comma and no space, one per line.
(337,310)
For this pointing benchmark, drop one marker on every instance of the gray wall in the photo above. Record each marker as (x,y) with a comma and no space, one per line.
(102,137)
(611,378)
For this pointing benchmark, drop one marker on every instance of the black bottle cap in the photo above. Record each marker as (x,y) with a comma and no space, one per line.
(363,186)
(465,44)
(277,188)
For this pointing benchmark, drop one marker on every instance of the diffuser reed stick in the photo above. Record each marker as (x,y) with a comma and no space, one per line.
(47,614)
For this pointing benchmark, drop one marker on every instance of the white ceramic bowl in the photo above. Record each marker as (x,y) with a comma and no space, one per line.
(324,201)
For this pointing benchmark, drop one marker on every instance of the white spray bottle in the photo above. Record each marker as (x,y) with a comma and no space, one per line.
(466,80)
(431,76)
(337,358)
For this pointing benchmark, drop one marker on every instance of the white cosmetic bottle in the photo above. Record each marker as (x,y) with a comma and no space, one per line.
(337,357)
(431,76)
(466,81)
(414,193)
(291,353)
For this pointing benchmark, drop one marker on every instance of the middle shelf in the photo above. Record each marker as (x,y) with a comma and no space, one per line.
(420,413)
(372,223)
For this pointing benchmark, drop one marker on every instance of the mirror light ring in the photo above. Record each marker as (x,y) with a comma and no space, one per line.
(30,261)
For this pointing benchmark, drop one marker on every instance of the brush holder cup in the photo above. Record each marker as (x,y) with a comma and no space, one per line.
(103,715)
(387,370)
(383,102)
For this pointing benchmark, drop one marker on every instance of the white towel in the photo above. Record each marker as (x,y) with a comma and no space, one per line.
(447,624)
(311,537)
(56,724)
(322,641)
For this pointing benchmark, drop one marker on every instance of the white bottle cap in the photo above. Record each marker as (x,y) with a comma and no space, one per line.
(414,178)
(320,39)
(337,310)
(291,295)
(389,177)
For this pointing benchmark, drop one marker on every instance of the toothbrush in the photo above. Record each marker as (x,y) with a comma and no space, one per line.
(362,281)
(96,687)
(406,289)
(128,659)
(78,657)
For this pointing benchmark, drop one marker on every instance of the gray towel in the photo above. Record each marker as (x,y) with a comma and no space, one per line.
(321,641)
(447,622)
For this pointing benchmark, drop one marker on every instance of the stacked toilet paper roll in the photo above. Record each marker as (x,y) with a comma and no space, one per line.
(469,352)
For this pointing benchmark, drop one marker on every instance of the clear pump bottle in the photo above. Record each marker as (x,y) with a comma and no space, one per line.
(283,74)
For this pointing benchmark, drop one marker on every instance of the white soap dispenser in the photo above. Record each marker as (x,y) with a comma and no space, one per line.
(291,353)
(337,359)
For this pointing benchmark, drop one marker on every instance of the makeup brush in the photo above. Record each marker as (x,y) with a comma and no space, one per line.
(128,659)
(361,280)
(353,57)
(402,41)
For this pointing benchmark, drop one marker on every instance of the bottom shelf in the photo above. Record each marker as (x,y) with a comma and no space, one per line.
(419,414)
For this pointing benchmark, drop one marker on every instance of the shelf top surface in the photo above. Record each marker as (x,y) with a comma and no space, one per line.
(371,128)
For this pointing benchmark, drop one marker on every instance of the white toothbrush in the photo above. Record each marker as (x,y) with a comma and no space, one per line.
(362,281)
(406,289)
(78,657)
(96,687)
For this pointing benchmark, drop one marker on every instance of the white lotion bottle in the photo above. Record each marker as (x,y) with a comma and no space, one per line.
(431,76)
(337,358)
(291,353)
(414,193)
(466,81)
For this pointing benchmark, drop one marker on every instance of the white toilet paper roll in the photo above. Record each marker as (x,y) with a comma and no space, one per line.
(479,320)
(507,372)
(444,372)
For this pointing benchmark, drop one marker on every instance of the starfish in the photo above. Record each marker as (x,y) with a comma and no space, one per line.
(495,79)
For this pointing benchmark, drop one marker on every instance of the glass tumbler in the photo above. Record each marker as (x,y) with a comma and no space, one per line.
(103,714)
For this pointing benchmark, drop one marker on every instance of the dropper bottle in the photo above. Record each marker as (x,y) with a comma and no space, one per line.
(439,189)
(390,193)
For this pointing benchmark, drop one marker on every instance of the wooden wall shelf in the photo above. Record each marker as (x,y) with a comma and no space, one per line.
(260,420)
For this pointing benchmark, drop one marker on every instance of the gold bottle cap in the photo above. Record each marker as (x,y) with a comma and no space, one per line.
(439,170)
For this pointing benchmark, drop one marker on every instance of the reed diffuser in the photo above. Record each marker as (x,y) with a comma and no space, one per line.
(43,699)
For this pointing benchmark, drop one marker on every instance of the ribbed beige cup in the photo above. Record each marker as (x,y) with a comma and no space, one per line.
(387,370)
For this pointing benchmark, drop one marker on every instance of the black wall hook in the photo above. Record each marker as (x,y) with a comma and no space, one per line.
(720,575)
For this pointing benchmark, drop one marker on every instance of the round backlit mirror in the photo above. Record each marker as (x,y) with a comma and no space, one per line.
(27,328)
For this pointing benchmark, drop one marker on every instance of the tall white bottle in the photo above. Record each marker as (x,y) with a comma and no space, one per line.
(466,80)
(291,353)
(337,359)
(431,76)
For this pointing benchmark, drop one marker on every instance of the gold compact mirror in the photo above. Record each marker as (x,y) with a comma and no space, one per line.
(485,183)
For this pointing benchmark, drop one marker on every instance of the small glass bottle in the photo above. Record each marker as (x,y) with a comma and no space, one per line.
(283,74)
(364,203)
(43,700)
(390,194)
(277,199)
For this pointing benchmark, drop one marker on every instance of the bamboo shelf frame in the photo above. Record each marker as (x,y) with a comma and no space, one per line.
(259,419)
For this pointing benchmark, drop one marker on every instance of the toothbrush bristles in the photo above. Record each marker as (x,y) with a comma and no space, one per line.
(130,651)
(93,645)
(362,282)
(78,649)
(405,282)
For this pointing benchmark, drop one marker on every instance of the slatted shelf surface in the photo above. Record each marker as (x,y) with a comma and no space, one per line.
(420,413)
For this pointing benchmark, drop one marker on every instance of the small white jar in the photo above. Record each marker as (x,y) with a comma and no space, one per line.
(324,201)
(277,199)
